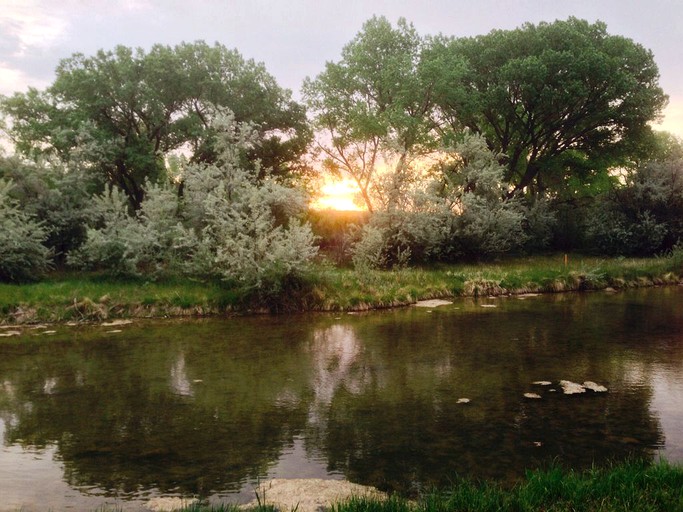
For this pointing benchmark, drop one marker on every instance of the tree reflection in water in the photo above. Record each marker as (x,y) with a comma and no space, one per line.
(202,407)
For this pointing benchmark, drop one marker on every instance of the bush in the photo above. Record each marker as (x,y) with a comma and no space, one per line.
(228,224)
(23,257)
(461,212)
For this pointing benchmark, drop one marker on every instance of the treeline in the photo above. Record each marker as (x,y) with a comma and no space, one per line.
(192,160)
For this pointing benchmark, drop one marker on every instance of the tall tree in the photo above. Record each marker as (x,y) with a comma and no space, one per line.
(560,100)
(126,110)
(374,106)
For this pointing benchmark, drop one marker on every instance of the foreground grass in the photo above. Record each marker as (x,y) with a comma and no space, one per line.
(630,486)
(627,487)
(79,297)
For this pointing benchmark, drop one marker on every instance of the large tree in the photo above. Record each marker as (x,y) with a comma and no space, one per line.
(562,101)
(374,108)
(124,111)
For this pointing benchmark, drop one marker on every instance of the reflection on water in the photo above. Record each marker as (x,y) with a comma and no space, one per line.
(208,407)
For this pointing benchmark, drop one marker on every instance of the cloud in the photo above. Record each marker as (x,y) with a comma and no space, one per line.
(27,26)
(13,79)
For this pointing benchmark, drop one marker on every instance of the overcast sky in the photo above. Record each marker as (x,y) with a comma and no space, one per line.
(295,38)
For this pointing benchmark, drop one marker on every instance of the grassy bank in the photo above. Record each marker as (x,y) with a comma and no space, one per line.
(631,486)
(89,297)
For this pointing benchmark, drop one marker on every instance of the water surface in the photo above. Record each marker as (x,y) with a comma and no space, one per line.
(90,416)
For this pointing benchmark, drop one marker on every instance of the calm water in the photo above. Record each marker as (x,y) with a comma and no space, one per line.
(205,408)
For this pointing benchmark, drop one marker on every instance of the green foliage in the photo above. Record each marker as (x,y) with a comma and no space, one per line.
(645,215)
(57,196)
(124,111)
(461,212)
(246,231)
(371,108)
(23,257)
(628,486)
(228,224)
(563,101)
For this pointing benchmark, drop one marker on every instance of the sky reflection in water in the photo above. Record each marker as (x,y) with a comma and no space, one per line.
(208,407)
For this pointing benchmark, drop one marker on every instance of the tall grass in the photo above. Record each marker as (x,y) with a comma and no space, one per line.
(631,486)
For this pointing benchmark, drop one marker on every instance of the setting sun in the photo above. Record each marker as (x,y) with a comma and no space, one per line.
(337,195)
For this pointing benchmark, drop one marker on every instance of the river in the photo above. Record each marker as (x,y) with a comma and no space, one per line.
(401,399)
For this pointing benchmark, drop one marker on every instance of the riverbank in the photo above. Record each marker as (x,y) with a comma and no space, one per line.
(627,486)
(69,297)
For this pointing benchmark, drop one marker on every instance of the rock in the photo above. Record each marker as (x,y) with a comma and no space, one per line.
(532,395)
(609,289)
(309,494)
(463,401)
(7,334)
(542,383)
(594,387)
(114,323)
(433,303)
(489,306)
(571,388)
(113,331)
(169,504)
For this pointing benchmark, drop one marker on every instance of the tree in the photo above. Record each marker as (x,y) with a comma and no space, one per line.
(57,196)
(560,100)
(374,107)
(23,256)
(229,224)
(127,110)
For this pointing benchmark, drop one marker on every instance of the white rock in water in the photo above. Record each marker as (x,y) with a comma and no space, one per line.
(594,387)
(489,306)
(542,383)
(169,504)
(571,388)
(7,334)
(463,401)
(433,303)
(116,322)
(310,494)
(531,395)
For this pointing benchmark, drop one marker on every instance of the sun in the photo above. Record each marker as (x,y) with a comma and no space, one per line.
(338,195)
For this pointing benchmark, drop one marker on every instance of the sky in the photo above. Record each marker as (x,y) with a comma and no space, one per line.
(295,38)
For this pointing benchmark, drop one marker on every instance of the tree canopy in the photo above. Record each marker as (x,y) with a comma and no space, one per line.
(373,107)
(124,111)
(560,100)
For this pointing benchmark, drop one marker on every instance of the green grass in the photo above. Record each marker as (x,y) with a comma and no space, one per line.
(631,486)
(349,289)
(84,297)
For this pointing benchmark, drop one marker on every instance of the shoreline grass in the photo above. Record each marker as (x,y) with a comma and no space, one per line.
(628,486)
(64,297)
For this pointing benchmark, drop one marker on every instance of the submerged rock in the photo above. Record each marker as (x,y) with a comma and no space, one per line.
(463,401)
(169,504)
(116,322)
(7,334)
(532,395)
(309,494)
(433,303)
(571,388)
(594,387)
(542,383)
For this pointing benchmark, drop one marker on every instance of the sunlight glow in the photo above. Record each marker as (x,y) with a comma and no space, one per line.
(337,195)
(673,117)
